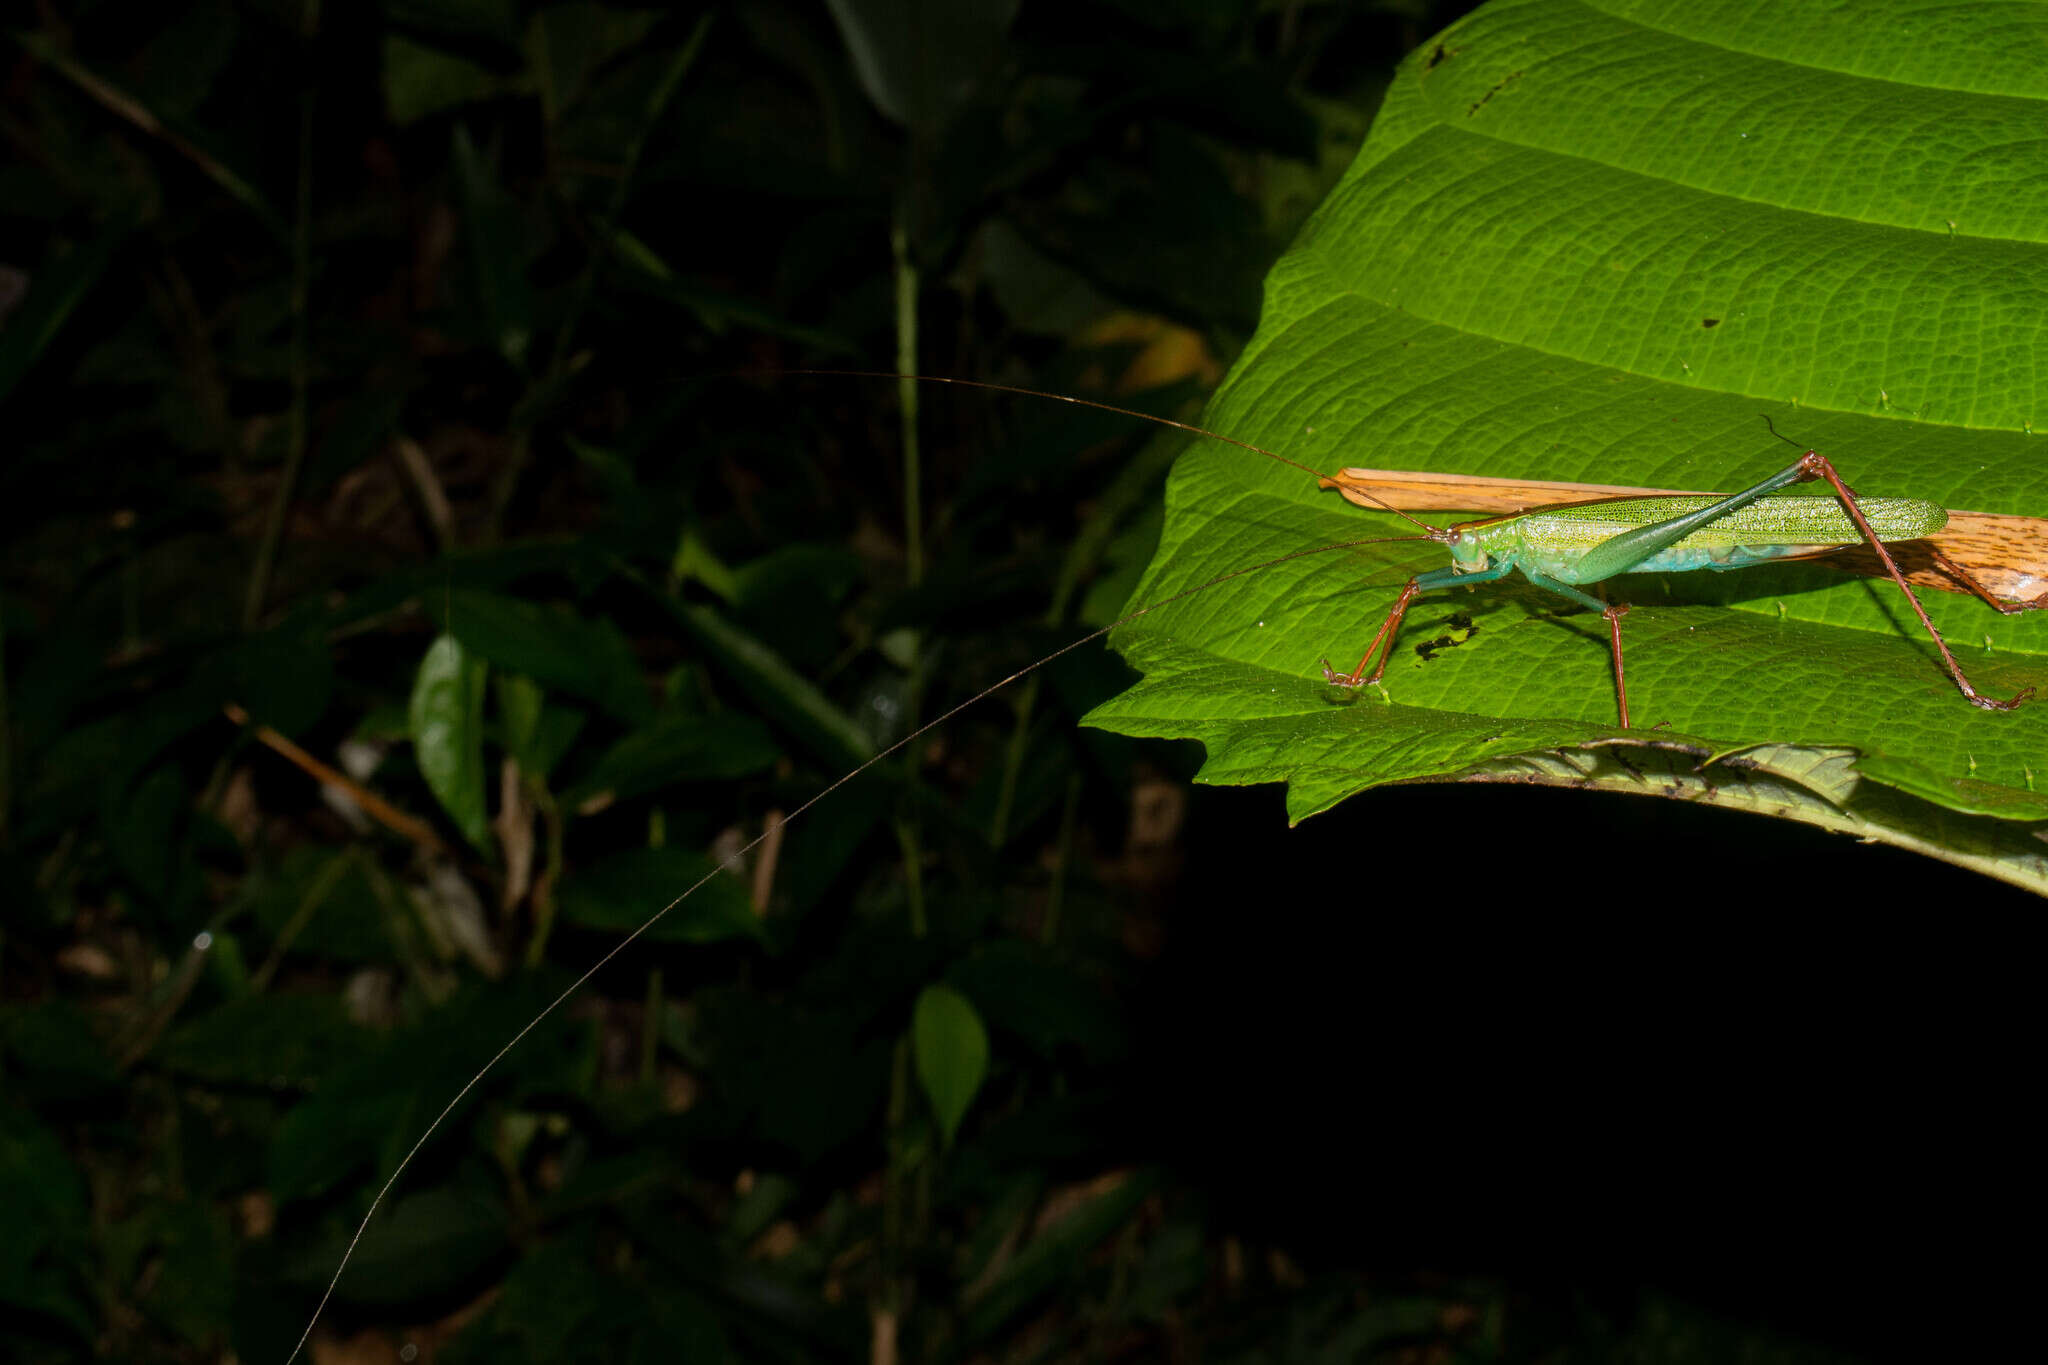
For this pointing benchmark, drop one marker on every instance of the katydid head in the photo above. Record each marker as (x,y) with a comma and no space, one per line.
(1468,548)
(1469,551)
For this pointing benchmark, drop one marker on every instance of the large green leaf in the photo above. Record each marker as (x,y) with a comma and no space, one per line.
(1594,243)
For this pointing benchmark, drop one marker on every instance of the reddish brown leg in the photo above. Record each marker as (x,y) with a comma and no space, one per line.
(1615,611)
(1818,466)
(1964,577)
(1356,677)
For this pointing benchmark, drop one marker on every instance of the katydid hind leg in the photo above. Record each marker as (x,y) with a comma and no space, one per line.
(1821,467)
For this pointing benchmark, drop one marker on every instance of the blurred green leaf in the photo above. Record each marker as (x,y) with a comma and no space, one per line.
(556,1303)
(181,61)
(54,290)
(572,41)
(811,1079)
(424,1244)
(1037,293)
(317,900)
(619,893)
(368,1112)
(784,693)
(263,1040)
(495,20)
(951,1050)
(448,734)
(680,1326)
(189,1251)
(1031,993)
(1055,1255)
(145,830)
(420,80)
(283,678)
(917,61)
(125,106)
(677,748)
(54,1052)
(553,646)
(44,1256)
(520,702)
(696,562)
(717,310)
(494,241)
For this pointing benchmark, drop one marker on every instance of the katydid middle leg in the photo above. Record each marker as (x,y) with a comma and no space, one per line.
(1613,611)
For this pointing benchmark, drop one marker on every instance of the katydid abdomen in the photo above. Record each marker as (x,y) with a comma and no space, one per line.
(1555,540)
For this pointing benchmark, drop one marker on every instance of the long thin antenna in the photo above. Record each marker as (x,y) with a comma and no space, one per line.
(1189,427)
(733,858)
(1797,445)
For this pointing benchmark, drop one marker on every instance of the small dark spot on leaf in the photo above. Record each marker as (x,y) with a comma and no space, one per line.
(1461,630)
(1436,57)
(1503,83)
(1710,322)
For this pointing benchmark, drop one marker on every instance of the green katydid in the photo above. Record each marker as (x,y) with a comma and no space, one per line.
(1563,547)
(1570,546)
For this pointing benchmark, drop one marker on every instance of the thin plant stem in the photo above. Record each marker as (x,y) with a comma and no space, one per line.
(316,893)
(1063,856)
(906,394)
(913,544)
(559,360)
(913,875)
(302,262)
(542,898)
(1013,763)
(650,1027)
(657,101)
(6,742)
(125,106)
(888,1302)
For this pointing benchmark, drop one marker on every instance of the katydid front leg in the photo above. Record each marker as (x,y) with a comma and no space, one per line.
(1421,583)
(1451,578)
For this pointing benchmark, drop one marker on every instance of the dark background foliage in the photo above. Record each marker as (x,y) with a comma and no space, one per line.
(333,332)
